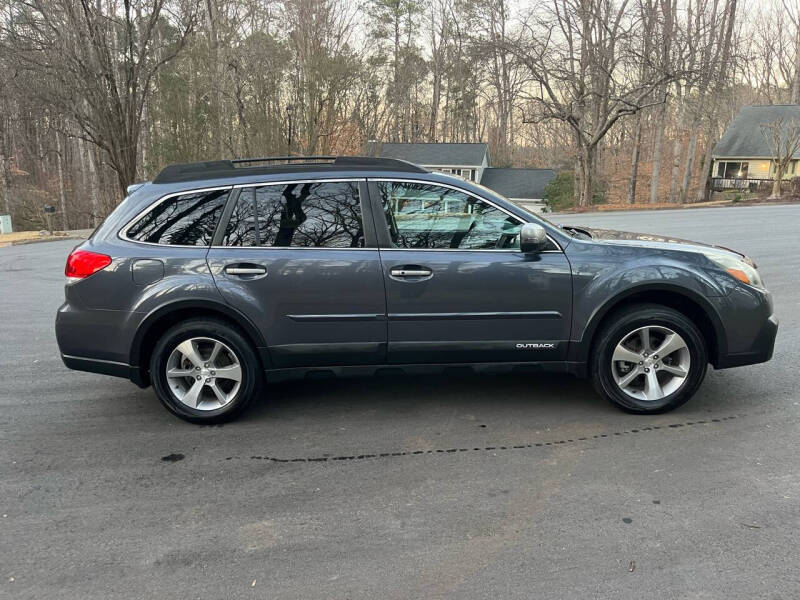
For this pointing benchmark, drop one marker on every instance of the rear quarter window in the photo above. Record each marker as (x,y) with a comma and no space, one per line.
(186,220)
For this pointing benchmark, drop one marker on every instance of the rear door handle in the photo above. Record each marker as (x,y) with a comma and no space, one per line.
(245,270)
(403,272)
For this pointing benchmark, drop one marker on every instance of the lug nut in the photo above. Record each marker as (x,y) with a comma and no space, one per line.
(213,373)
(208,379)
(646,370)
(206,365)
(199,378)
(641,362)
(656,365)
(655,356)
(197,368)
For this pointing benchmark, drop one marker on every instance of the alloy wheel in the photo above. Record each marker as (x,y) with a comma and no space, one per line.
(204,373)
(650,363)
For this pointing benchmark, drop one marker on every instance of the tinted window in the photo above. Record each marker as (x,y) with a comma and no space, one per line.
(430,216)
(186,220)
(321,214)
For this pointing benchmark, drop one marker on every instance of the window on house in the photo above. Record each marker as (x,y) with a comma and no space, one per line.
(732,169)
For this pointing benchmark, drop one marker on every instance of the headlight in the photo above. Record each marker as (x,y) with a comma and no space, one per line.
(738,269)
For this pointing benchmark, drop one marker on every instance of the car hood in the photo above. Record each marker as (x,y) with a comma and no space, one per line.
(656,241)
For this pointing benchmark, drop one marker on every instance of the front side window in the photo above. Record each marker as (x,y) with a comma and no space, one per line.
(185,220)
(420,215)
(305,215)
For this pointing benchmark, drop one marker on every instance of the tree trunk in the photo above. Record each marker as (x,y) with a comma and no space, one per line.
(61,196)
(702,189)
(93,182)
(4,186)
(217,86)
(585,172)
(676,166)
(655,175)
(637,143)
(691,152)
(796,82)
(776,187)
(437,95)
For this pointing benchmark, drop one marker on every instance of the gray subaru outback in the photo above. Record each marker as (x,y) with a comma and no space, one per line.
(217,278)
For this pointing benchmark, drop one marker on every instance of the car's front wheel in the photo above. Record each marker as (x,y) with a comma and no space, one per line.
(204,371)
(649,359)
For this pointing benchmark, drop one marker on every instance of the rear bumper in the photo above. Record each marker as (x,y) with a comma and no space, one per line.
(104,367)
(760,351)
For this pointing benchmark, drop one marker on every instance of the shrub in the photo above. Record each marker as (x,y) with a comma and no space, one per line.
(560,193)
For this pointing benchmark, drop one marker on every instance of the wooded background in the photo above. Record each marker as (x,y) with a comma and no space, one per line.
(627,95)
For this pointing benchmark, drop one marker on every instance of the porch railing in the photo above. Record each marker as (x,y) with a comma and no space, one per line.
(719,184)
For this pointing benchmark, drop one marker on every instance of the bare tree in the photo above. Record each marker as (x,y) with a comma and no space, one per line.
(783,138)
(793,10)
(580,53)
(95,64)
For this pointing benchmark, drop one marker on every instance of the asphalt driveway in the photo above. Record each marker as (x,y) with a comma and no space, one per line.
(459,486)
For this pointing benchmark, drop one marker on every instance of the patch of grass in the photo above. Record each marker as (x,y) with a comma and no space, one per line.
(19,236)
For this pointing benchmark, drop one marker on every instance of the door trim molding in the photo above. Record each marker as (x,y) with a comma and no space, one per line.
(537,314)
(334,318)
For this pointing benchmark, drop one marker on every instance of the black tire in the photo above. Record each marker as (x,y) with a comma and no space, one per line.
(620,324)
(218,330)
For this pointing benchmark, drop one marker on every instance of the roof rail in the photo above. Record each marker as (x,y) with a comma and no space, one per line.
(286,159)
(268,165)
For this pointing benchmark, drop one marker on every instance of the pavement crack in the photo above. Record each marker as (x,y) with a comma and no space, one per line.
(494,448)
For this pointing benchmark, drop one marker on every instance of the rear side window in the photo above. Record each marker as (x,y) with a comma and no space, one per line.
(304,215)
(185,220)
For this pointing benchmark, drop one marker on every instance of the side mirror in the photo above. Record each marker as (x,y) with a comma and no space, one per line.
(532,238)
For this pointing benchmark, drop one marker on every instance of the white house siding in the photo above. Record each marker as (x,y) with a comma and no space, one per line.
(484,164)
(535,205)
(464,171)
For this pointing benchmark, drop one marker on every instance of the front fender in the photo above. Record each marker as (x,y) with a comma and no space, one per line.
(596,293)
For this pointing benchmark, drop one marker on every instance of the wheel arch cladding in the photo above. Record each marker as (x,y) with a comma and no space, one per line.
(692,305)
(164,317)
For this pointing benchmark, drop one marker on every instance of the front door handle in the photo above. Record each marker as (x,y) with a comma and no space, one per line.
(245,270)
(410,272)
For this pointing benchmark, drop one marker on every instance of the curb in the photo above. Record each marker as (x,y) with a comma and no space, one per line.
(53,238)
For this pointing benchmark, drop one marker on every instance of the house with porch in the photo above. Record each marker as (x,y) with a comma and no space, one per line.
(472,161)
(742,158)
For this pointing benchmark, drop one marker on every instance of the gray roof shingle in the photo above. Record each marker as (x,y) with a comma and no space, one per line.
(743,137)
(518,183)
(432,154)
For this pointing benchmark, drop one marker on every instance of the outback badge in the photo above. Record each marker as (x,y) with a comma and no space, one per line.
(537,345)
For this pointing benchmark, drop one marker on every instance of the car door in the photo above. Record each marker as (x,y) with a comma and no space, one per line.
(458,289)
(300,260)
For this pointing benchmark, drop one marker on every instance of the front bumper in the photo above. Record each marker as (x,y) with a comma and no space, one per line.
(760,351)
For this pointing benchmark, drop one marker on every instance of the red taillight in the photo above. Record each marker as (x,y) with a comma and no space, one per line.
(82,263)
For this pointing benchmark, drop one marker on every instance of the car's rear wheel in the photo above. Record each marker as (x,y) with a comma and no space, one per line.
(649,359)
(204,371)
